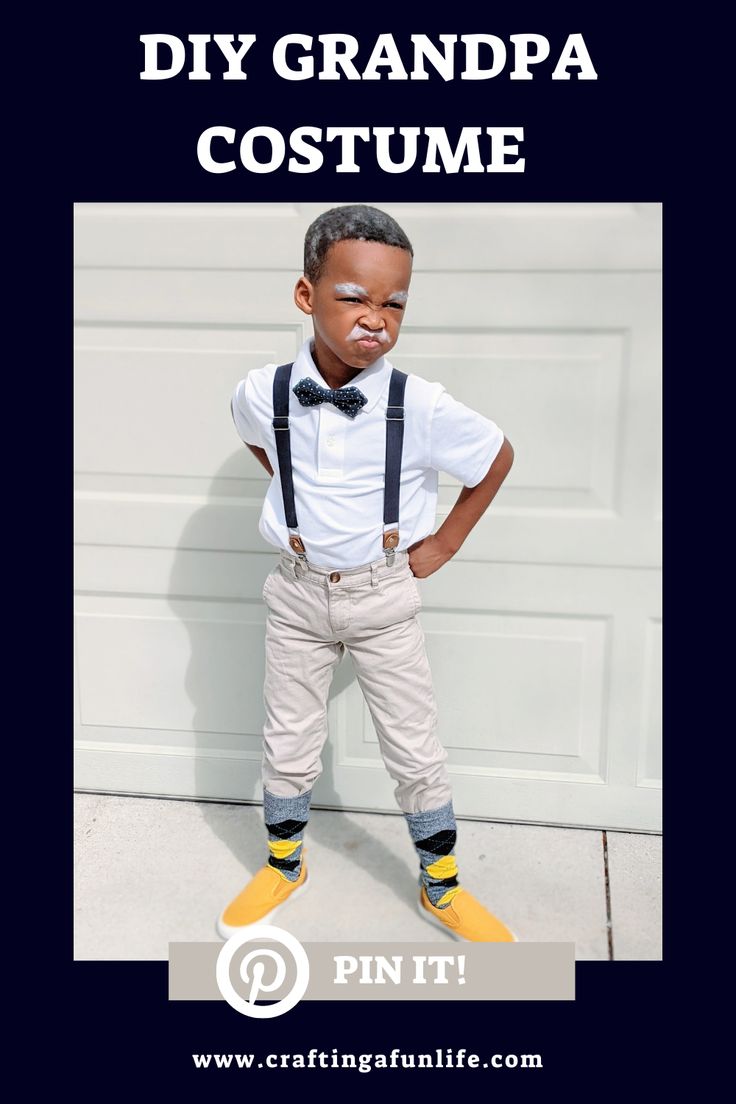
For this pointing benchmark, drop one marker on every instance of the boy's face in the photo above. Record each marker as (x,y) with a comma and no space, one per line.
(358,303)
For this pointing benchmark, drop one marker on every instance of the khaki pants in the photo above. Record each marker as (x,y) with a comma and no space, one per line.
(313,615)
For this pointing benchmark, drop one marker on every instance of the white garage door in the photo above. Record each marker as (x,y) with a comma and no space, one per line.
(544,632)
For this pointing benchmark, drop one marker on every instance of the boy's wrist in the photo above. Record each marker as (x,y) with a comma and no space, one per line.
(447,545)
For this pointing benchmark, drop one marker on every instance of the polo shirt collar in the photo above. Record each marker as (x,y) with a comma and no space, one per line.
(372,381)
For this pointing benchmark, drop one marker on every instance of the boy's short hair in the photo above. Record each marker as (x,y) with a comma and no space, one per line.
(354,223)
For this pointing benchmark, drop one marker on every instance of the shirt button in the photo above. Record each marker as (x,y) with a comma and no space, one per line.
(335,577)
(330,441)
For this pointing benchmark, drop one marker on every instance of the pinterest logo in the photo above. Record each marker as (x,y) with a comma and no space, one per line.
(262,971)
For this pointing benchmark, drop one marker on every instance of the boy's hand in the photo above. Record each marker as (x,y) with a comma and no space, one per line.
(428,555)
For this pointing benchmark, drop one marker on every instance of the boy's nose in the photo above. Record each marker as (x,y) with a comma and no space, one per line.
(372,320)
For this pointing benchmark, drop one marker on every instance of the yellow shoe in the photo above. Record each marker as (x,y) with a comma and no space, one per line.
(466,918)
(264,894)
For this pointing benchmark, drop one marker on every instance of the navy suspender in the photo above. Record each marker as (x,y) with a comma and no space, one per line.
(394,448)
(283,445)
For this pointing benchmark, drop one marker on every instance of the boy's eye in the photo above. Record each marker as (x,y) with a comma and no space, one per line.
(354,299)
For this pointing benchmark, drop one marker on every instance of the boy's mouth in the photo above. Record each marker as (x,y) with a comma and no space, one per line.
(368,339)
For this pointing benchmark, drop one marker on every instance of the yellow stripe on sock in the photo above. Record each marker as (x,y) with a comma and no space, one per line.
(447,897)
(281,849)
(446,867)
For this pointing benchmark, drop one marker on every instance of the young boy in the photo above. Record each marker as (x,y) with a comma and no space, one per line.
(353,441)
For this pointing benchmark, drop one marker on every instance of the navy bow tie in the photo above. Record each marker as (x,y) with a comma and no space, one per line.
(348,399)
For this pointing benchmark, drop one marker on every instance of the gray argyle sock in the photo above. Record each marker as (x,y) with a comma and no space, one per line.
(434,833)
(286,818)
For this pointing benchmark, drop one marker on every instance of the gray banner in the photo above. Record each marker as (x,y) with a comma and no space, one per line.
(385,971)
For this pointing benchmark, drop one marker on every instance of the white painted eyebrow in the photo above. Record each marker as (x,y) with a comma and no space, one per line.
(356,289)
(350,289)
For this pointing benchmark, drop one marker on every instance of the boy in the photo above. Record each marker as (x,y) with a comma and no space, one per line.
(352,440)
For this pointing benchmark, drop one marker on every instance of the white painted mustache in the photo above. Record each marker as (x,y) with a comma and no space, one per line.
(357,332)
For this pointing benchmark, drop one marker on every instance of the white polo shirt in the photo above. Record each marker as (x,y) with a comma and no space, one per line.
(338,462)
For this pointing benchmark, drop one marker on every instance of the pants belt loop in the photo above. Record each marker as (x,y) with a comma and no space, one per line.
(374,575)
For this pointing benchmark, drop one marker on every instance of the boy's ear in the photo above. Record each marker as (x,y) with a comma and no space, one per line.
(304,295)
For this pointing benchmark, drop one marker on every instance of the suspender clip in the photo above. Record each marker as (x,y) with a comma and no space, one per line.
(390,541)
(297,546)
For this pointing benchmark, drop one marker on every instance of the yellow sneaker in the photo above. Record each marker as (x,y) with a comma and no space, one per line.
(264,894)
(466,918)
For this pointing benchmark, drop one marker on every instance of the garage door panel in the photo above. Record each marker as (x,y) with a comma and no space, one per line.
(168,521)
(174,665)
(159,744)
(518,689)
(244,336)
(179,572)
(123,424)
(561,393)
(152,296)
(511,535)
(227,235)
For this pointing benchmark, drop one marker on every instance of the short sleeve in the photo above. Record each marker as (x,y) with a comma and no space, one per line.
(463,442)
(243,415)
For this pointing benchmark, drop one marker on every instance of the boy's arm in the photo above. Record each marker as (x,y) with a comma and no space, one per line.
(248,426)
(261,455)
(428,555)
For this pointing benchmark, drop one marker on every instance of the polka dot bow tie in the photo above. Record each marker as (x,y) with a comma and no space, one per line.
(347,399)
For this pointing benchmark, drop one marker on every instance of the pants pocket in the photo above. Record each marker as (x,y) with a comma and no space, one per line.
(408,584)
(417,594)
(269,580)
